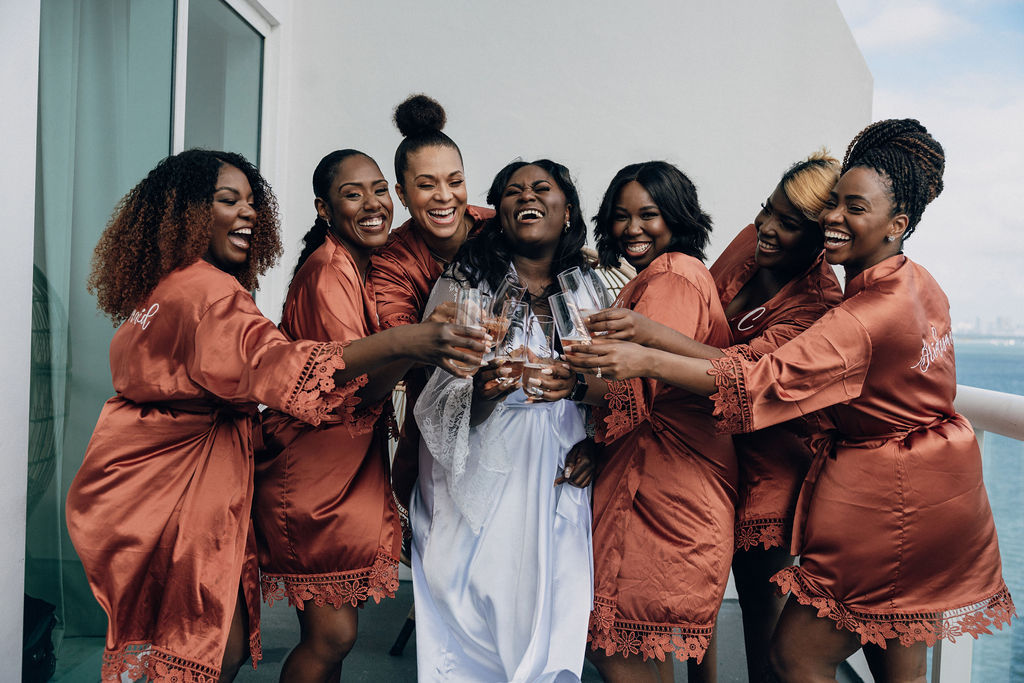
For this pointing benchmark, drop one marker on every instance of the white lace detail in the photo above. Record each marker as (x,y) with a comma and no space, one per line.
(443,413)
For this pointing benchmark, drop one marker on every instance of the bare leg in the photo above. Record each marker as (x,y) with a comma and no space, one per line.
(707,670)
(326,636)
(897,663)
(760,601)
(237,650)
(807,648)
(619,669)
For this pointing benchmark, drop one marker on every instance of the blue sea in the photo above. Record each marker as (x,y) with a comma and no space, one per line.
(1000,657)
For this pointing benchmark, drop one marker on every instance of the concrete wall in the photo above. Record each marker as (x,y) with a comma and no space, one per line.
(19,34)
(731,92)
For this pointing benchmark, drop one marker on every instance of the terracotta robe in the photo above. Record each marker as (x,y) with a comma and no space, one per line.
(893,524)
(772,461)
(159,510)
(664,498)
(326,525)
(403,274)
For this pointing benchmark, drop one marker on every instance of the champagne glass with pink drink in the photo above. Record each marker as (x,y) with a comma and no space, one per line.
(541,352)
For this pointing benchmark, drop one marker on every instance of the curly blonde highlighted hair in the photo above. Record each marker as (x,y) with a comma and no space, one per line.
(807,183)
(164,223)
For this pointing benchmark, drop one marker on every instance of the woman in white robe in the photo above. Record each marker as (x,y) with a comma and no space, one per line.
(501,553)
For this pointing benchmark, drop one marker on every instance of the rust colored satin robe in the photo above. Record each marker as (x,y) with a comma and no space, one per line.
(664,498)
(772,461)
(159,510)
(893,524)
(403,274)
(326,526)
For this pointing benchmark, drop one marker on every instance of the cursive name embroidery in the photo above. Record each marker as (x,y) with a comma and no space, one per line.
(933,350)
(747,321)
(143,318)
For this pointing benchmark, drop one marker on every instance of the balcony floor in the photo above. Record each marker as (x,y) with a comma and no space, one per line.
(79,658)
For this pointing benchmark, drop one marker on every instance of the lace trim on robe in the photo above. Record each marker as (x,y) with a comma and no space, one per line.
(651,641)
(732,409)
(625,411)
(972,620)
(741,351)
(397,319)
(143,661)
(377,581)
(768,532)
(314,395)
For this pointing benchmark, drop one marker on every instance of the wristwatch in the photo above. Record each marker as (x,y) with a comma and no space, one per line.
(580,390)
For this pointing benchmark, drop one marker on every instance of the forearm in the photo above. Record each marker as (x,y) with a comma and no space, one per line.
(671,341)
(682,371)
(381,357)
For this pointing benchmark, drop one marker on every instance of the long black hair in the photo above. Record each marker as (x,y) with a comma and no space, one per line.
(676,197)
(486,256)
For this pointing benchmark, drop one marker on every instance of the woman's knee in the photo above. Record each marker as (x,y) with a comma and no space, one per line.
(332,633)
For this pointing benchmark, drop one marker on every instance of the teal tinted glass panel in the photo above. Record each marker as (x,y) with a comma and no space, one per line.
(223,85)
(105,84)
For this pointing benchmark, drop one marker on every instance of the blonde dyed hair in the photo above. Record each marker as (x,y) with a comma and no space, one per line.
(808,182)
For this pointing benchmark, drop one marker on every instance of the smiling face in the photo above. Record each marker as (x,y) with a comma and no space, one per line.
(638,226)
(786,240)
(533,209)
(434,191)
(857,219)
(233,217)
(358,206)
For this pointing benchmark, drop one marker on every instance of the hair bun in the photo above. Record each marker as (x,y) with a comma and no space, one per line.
(419,114)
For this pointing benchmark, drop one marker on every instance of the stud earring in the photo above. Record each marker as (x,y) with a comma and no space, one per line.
(890,238)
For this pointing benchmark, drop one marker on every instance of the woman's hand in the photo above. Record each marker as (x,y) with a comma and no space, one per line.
(451,347)
(579,464)
(491,383)
(444,313)
(624,324)
(555,383)
(610,359)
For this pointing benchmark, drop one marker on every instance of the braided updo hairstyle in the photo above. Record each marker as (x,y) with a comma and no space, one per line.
(420,120)
(907,157)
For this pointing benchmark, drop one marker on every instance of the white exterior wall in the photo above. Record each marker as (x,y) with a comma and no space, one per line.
(19,75)
(733,93)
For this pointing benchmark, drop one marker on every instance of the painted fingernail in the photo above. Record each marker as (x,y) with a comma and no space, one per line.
(533,382)
(546,371)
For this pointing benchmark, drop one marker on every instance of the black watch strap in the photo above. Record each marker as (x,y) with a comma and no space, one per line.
(580,390)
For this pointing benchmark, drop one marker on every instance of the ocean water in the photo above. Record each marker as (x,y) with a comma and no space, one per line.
(1000,657)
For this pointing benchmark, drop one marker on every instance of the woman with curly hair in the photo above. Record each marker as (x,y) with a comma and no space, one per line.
(326,524)
(773,282)
(665,494)
(159,510)
(431,183)
(501,558)
(893,526)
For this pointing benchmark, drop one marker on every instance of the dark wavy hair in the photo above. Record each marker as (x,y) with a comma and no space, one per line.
(677,201)
(487,255)
(164,223)
(907,157)
(420,120)
(323,178)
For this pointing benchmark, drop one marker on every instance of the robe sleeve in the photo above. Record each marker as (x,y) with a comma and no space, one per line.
(778,334)
(824,366)
(398,291)
(672,300)
(240,356)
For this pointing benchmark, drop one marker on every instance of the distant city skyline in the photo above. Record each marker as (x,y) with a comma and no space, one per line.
(958,67)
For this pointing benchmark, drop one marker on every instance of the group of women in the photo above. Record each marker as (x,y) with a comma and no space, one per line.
(723,418)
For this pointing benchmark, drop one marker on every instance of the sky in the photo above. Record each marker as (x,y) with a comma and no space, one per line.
(958,67)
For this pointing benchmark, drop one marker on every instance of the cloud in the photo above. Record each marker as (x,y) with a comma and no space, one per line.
(901,26)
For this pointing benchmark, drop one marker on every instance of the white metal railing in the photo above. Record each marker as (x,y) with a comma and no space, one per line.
(998,413)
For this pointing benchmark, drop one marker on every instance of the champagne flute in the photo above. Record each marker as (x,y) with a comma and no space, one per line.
(541,352)
(582,290)
(568,319)
(511,348)
(469,312)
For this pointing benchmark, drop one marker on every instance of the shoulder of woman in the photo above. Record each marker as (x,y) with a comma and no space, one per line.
(195,287)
